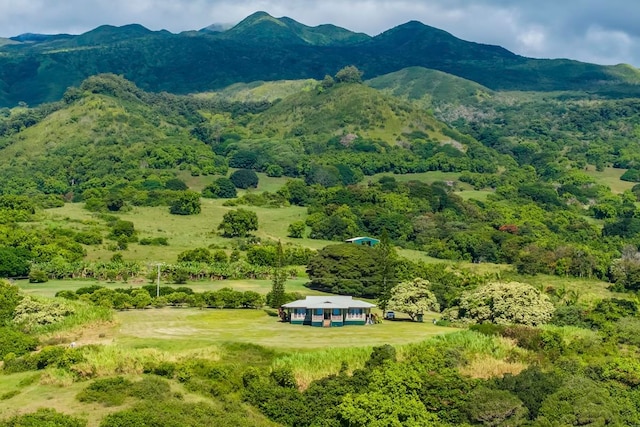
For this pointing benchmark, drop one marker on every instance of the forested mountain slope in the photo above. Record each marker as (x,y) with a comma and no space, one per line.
(38,69)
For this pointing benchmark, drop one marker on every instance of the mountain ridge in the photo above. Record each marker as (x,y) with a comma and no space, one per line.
(197,61)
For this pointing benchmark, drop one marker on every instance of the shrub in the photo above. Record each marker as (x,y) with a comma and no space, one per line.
(296,229)
(15,342)
(221,188)
(244,178)
(44,417)
(108,391)
(154,241)
(32,312)
(196,255)
(88,238)
(38,276)
(187,203)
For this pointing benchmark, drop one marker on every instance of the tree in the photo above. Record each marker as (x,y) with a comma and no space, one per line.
(221,188)
(582,402)
(387,257)
(413,297)
(244,178)
(277,295)
(506,303)
(495,407)
(346,269)
(196,255)
(176,185)
(14,262)
(10,297)
(238,223)
(296,229)
(187,203)
(349,74)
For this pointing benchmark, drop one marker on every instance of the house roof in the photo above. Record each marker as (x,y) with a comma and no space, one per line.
(331,301)
(355,239)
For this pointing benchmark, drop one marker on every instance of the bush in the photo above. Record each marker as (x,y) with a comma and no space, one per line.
(196,255)
(221,188)
(38,276)
(154,241)
(15,342)
(296,229)
(244,178)
(88,238)
(187,203)
(44,417)
(107,391)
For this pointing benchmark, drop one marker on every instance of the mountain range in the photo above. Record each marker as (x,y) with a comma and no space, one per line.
(37,68)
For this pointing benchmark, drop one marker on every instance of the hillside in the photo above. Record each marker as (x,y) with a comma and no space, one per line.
(344,109)
(106,135)
(421,84)
(36,69)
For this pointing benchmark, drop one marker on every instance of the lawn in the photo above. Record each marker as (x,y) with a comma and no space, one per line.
(611,178)
(171,328)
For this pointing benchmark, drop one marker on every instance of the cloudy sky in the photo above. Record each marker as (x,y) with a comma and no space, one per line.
(599,31)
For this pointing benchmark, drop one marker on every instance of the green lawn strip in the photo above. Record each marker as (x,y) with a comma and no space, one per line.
(163,327)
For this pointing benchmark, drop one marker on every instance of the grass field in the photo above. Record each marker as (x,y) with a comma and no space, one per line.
(611,178)
(171,328)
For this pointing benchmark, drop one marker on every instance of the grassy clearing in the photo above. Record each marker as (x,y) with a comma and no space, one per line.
(170,328)
(611,178)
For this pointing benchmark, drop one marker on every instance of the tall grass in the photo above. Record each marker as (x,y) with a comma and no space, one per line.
(83,315)
(310,366)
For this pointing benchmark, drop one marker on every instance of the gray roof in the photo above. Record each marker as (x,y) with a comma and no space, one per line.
(330,301)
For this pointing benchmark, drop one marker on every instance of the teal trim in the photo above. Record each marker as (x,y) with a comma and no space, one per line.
(354,322)
(336,324)
(316,324)
(297,322)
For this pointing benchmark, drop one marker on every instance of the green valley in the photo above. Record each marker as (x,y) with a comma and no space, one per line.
(158,212)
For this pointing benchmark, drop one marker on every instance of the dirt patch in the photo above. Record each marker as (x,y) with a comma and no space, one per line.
(95,333)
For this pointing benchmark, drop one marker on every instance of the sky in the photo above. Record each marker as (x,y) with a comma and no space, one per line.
(598,31)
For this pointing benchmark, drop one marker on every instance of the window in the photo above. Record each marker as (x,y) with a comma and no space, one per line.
(318,312)
(336,311)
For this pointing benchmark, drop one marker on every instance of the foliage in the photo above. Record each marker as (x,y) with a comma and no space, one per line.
(10,298)
(196,255)
(349,74)
(32,312)
(413,297)
(244,178)
(495,407)
(238,223)
(221,188)
(346,269)
(187,203)
(43,417)
(505,303)
(15,342)
(277,295)
(296,229)
(14,262)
